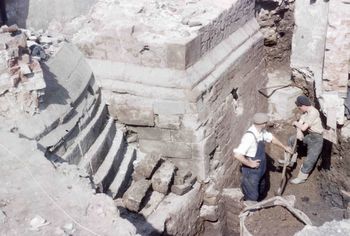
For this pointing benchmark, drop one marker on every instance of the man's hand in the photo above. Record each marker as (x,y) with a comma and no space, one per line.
(288,149)
(254,164)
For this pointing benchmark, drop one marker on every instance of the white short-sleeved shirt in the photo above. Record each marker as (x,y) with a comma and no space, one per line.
(248,145)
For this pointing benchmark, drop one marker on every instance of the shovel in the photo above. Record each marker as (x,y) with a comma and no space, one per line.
(288,159)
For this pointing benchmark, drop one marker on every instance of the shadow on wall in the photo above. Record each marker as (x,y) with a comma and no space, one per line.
(17,12)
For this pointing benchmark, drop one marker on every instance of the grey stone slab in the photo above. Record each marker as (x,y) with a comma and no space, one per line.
(131,116)
(309,39)
(123,176)
(63,130)
(87,137)
(25,13)
(110,165)
(148,165)
(135,194)
(96,154)
(169,149)
(152,204)
(209,213)
(163,177)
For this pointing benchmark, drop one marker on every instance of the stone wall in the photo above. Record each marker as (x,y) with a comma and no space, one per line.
(38,13)
(276,20)
(188,98)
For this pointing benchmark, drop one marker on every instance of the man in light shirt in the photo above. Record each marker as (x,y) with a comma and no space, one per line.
(251,153)
(309,132)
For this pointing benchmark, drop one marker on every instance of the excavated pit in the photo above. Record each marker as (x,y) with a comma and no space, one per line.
(279,220)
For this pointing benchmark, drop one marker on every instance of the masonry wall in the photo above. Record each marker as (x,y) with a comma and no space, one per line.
(194,103)
(38,14)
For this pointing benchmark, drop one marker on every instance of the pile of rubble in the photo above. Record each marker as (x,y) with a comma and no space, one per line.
(154,178)
(22,82)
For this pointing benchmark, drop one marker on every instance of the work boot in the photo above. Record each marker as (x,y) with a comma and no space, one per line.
(301,178)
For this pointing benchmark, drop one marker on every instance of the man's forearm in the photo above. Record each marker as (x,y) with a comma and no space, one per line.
(242,159)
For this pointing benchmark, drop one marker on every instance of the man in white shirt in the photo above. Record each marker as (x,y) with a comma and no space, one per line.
(310,131)
(251,153)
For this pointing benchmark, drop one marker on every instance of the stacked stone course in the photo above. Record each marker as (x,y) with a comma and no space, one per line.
(175,90)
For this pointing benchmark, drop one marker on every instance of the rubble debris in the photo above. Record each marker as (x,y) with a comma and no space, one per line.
(21,52)
(37,222)
(2,217)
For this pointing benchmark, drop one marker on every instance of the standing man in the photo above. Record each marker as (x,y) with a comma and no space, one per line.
(3,12)
(310,133)
(251,153)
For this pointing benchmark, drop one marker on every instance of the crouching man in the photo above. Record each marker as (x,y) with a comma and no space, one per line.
(251,153)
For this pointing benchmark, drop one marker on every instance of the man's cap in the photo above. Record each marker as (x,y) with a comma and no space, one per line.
(260,118)
(302,100)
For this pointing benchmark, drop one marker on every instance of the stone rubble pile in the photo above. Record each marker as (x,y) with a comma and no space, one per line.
(21,75)
(155,176)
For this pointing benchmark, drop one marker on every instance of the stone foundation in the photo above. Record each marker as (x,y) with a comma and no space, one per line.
(188,98)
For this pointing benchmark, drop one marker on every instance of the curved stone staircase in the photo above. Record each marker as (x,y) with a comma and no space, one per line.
(78,130)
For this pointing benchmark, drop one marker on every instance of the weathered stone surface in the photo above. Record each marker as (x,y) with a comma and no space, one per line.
(336,228)
(163,177)
(168,121)
(309,42)
(169,107)
(152,204)
(183,211)
(209,213)
(169,149)
(25,13)
(181,176)
(152,133)
(281,100)
(133,197)
(336,56)
(211,195)
(180,189)
(130,116)
(147,165)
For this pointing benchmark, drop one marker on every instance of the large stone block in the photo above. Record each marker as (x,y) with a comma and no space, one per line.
(152,133)
(164,107)
(146,166)
(168,121)
(163,177)
(131,116)
(135,194)
(168,149)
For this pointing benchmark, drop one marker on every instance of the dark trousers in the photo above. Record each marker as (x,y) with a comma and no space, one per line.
(3,11)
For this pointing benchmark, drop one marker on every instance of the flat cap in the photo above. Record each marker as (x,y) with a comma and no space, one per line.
(302,100)
(260,118)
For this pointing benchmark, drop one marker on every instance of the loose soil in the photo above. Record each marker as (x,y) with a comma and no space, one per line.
(273,221)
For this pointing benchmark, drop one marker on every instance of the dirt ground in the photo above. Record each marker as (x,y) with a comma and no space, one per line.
(273,221)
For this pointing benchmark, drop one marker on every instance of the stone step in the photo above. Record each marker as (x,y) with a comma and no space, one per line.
(58,135)
(94,157)
(123,178)
(86,137)
(110,165)
(61,147)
